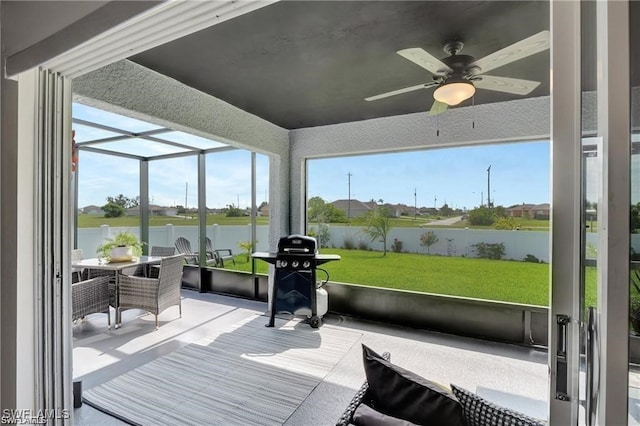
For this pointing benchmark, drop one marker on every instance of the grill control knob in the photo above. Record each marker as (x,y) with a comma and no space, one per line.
(283,263)
(295,263)
(306,264)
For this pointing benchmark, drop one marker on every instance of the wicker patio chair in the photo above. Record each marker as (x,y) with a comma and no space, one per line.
(159,251)
(76,273)
(89,297)
(111,275)
(184,247)
(154,295)
(162,251)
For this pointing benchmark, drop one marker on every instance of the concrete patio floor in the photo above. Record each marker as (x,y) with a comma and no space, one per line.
(510,375)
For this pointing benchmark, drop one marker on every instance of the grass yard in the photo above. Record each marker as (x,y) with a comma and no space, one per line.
(503,280)
(91,221)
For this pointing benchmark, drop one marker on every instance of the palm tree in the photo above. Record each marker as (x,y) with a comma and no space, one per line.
(378,225)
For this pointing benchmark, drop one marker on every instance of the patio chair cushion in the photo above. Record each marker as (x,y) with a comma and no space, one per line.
(405,395)
(367,416)
(480,412)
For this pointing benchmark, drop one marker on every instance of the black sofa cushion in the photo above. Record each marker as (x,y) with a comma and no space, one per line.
(367,416)
(400,393)
(480,412)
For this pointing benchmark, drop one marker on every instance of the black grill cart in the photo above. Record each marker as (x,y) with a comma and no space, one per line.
(294,286)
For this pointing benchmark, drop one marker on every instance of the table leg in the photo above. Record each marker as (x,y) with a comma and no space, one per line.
(118,319)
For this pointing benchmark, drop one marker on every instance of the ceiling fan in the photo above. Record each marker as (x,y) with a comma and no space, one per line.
(457,76)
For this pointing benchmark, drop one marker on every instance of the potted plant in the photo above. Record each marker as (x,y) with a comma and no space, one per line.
(123,247)
(634,303)
(634,315)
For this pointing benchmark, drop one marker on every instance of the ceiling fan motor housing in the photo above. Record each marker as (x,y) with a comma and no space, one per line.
(461,66)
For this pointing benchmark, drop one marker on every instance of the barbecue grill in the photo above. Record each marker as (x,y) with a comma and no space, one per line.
(294,286)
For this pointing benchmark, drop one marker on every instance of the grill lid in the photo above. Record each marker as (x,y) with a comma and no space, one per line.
(297,244)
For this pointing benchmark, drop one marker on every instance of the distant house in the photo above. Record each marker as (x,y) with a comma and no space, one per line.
(534,211)
(153,211)
(519,210)
(264,211)
(394,210)
(92,210)
(405,210)
(428,211)
(352,208)
(540,211)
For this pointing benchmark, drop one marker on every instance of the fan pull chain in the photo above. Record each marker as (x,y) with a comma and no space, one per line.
(438,125)
(473,112)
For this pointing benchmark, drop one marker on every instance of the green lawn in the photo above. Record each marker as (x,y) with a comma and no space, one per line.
(503,280)
(90,221)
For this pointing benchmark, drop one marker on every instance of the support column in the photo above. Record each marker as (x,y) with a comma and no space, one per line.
(144,205)
(202,217)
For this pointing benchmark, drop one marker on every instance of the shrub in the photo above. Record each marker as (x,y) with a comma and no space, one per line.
(322,235)
(428,239)
(489,251)
(349,244)
(507,223)
(451,248)
(481,216)
(247,246)
(396,246)
(113,210)
(232,211)
(531,258)
(363,245)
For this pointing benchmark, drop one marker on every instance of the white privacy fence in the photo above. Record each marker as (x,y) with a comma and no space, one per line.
(459,242)
(222,237)
(451,242)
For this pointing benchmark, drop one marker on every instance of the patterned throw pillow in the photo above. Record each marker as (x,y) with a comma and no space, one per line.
(480,412)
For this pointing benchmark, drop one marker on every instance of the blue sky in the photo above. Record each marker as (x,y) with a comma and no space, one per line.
(519,174)
(172,181)
(457,176)
(228,179)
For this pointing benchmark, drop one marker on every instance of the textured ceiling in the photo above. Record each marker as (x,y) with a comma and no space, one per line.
(306,63)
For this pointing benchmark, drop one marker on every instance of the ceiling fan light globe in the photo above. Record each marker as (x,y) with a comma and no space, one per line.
(454,93)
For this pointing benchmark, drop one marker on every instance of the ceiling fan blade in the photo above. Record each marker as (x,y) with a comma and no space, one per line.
(400,91)
(438,108)
(521,49)
(425,60)
(505,84)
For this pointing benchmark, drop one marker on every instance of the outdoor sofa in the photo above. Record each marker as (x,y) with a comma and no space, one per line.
(394,396)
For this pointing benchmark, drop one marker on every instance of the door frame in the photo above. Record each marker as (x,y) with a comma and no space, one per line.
(566,217)
(613,124)
(614,131)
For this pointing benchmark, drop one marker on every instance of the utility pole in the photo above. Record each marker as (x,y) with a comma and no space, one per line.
(481,198)
(435,200)
(415,203)
(489,186)
(349,198)
(186,192)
